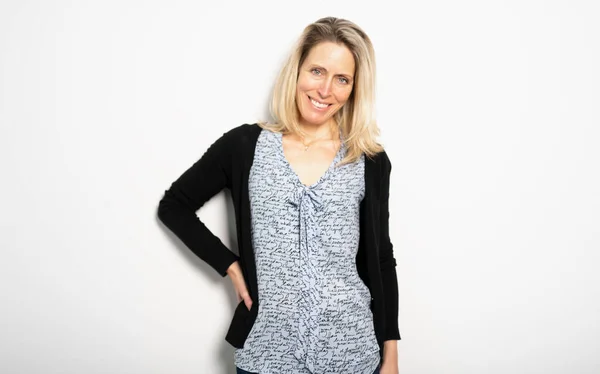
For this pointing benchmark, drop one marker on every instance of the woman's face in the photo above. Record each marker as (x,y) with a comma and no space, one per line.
(325,82)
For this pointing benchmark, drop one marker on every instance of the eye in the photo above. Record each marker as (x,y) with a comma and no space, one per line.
(343,80)
(316,71)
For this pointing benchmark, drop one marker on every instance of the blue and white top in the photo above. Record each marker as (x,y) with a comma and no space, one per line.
(314,310)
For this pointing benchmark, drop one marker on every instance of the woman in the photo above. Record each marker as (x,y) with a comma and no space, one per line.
(315,277)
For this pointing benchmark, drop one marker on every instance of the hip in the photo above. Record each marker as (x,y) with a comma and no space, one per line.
(241,371)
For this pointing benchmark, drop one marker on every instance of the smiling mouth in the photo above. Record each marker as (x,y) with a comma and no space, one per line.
(318,104)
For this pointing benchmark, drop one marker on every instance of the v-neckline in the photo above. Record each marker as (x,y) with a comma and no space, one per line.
(324,176)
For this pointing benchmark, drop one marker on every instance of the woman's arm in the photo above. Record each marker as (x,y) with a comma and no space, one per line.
(390,354)
(177,209)
(387,264)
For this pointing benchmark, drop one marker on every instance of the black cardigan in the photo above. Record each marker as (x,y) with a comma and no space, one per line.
(227,163)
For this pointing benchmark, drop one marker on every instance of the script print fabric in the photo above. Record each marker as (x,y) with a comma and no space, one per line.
(314,315)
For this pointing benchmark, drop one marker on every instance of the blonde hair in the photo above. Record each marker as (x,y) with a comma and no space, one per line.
(356,119)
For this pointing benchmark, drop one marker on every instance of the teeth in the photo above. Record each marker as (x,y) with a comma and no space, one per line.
(318,104)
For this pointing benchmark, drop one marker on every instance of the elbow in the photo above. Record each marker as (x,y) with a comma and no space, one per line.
(387,265)
(163,208)
(166,206)
(386,259)
(174,205)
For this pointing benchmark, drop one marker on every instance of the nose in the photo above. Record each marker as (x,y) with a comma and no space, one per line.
(324,89)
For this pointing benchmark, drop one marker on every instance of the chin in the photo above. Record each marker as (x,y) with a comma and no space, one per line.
(314,121)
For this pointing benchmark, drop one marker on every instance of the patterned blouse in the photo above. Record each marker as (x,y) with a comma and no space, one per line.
(314,313)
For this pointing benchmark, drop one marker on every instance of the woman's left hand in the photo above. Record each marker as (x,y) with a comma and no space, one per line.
(389,365)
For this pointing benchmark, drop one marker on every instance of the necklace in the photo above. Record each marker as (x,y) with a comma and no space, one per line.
(306,146)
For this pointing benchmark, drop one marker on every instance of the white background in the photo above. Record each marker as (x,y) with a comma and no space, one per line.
(489,111)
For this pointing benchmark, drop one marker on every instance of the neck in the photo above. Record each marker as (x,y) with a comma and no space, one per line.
(321,131)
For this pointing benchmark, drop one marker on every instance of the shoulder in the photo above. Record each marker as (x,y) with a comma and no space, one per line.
(240,136)
(243,132)
(380,161)
(384,159)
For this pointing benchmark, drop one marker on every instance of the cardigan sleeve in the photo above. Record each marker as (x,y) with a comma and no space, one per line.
(204,179)
(387,262)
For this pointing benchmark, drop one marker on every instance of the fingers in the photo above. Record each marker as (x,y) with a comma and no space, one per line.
(244,295)
(240,289)
(247,300)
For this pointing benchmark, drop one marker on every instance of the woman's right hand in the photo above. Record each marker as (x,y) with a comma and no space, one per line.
(237,277)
